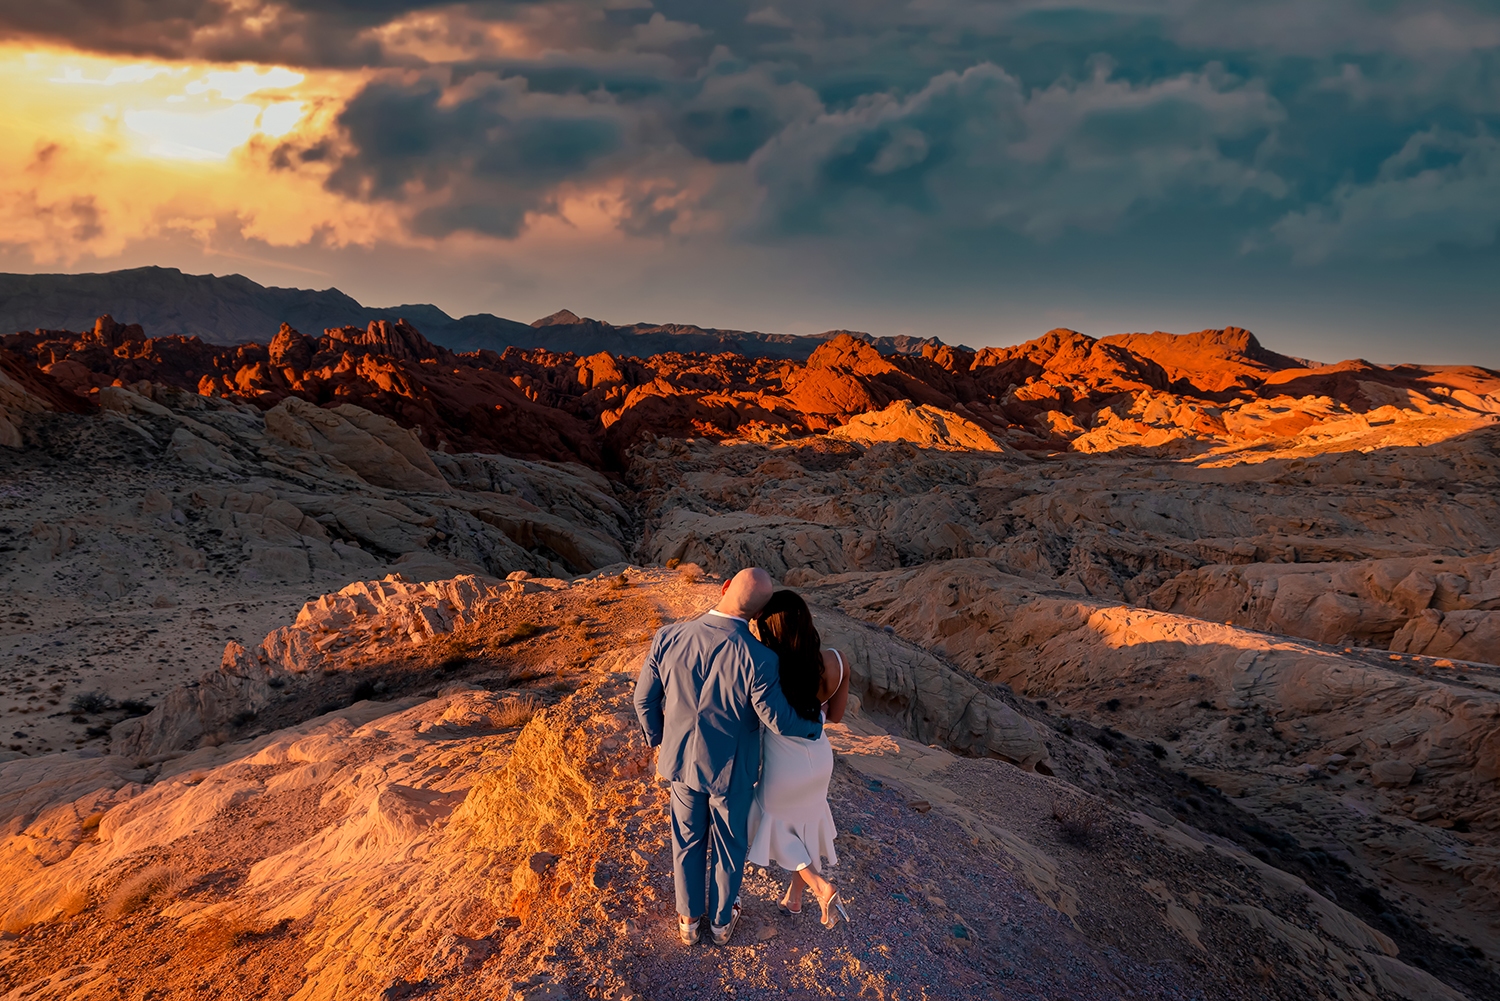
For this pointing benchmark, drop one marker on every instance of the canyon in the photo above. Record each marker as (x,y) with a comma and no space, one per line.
(1176,662)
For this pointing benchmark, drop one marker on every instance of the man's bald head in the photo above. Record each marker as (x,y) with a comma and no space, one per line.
(746,593)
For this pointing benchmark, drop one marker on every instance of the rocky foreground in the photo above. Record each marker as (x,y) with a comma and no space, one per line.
(502,836)
(1178,665)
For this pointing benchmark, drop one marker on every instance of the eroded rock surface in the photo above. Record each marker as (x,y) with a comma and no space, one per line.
(134,542)
(1186,650)
(505,837)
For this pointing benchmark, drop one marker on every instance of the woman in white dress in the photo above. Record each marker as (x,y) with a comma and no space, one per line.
(790,823)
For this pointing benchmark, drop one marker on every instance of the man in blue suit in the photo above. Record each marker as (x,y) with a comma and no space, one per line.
(703,693)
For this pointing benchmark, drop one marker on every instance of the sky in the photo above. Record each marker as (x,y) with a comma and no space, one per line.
(1325,174)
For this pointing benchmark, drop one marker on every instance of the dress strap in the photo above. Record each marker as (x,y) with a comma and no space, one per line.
(840,657)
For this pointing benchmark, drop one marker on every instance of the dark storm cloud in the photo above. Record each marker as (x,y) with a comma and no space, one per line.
(490,149)
(1313,131)
(297,32)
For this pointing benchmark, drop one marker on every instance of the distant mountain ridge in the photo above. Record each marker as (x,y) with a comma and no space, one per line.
(235,310)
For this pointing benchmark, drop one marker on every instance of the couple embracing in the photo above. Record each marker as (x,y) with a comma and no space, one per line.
(736,702)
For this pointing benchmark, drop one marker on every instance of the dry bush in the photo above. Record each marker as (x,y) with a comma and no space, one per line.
(91,703)
(515,634)
(673,563)
(1079,821)
(135,892)
(73,903)
(517,712)
(236,927)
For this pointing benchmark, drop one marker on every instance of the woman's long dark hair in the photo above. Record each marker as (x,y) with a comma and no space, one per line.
(786,626)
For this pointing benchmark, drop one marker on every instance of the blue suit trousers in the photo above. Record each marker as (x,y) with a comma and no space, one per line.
(709,841)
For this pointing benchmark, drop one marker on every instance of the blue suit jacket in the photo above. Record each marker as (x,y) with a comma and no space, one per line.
(704,690)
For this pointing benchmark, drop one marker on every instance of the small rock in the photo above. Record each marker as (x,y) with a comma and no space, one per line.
(1393,773)
(920,805)
(456,954)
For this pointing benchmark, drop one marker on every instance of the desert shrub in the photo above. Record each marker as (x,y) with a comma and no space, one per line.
(239,926)
(73,903)
(517,633)
(673,564)
(134,707)
(136,891)
(450,663)
(1157,751)
(517,712)
(89,703)
(1079,821)
(1112,705)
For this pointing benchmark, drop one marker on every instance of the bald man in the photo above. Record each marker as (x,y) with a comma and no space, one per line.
(703,693)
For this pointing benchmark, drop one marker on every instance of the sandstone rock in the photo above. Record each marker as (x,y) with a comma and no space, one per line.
(1365,601)
(924,426)
(1470,634)
(1392,772)
(26,390)
(456,954)
(313,428)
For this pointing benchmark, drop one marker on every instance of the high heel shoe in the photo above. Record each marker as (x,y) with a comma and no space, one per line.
(786,901)
(829,921)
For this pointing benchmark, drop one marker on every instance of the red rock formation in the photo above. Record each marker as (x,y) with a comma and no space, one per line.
(1209,361)
(53,394)
(1064,390)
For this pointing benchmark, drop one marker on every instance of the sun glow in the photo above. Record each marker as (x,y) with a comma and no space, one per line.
(97,153)
(172,111)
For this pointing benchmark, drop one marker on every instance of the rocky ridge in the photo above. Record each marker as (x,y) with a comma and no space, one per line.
(232,309)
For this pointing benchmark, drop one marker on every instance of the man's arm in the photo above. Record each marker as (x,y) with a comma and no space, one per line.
(649,693)
(771,705)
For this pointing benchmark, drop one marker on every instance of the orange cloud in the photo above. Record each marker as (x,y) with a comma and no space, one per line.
(97,153)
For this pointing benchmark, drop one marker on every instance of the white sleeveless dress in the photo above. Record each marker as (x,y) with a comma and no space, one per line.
(790,823)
